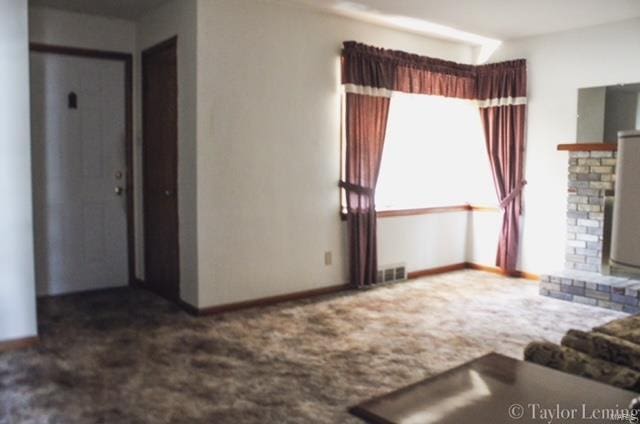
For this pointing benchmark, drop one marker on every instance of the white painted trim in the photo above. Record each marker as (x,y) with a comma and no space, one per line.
(367,91)
(502,101)
(385,92)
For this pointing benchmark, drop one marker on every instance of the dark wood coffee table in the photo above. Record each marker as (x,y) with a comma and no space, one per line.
(497,389)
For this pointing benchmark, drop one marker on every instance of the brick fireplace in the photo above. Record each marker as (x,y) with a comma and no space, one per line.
(585,278)
(591,178)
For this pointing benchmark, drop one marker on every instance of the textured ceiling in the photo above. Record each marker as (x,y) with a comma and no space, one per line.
(499,19)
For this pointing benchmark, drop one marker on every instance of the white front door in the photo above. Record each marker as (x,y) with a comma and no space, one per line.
(78,148)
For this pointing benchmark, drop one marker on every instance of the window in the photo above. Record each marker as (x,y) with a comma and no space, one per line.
(434,155)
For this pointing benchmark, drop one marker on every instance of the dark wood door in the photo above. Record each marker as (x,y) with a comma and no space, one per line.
(160,169)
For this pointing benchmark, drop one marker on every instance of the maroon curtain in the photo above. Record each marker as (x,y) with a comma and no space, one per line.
(372,71)
(369,75)
(502,89)
(366,123)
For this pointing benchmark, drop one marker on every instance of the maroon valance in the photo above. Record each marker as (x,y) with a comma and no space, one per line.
(502,80)
(377,68)
(395,70)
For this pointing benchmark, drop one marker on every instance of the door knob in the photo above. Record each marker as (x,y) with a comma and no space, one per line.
(168,193)
(118,190)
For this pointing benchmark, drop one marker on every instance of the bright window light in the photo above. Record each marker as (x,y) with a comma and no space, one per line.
(434,155)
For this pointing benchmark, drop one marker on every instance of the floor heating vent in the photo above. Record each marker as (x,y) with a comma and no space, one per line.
(392,273)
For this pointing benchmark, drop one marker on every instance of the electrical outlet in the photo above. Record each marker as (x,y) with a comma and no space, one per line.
(327,258)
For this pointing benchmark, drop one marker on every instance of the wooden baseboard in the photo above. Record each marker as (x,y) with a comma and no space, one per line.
(189,308)
(272,300)
(527,276)
(470,265)
(500,271)
(436,271)
(265,301)
(18,344)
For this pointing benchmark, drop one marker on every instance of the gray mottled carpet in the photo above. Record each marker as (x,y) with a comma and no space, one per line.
(125,356)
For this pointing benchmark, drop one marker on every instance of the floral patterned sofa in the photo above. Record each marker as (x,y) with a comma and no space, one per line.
(610,353)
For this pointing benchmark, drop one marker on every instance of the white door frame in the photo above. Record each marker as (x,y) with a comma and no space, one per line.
(127,59)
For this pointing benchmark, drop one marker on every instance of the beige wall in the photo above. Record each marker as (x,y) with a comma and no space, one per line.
(270,99)
(423,242)
(259,145)
(17,285)
(268,152)
(559,64)
(70,29)
(259,140)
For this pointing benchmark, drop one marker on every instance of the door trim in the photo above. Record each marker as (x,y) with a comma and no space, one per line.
(171,42)
(127,59)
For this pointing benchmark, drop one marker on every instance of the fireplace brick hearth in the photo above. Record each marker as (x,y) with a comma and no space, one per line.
(591,179)
(590,288)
